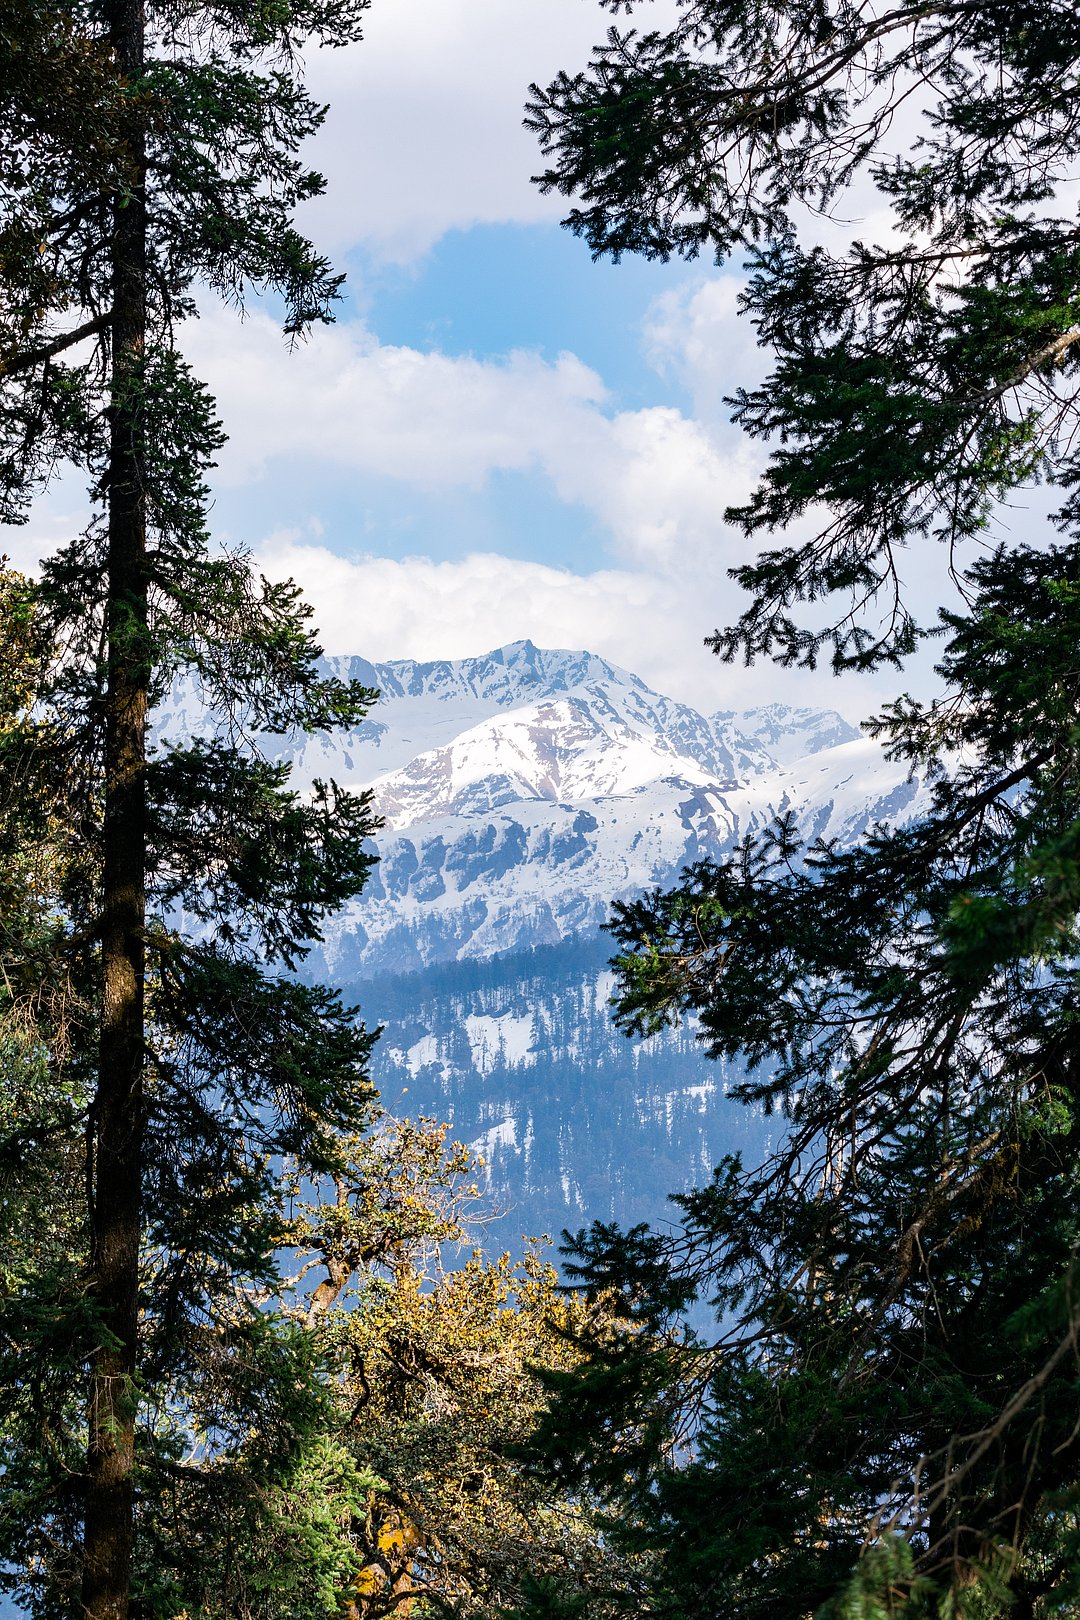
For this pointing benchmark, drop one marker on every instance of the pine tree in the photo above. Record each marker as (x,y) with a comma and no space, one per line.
(881,1420)
(151,152)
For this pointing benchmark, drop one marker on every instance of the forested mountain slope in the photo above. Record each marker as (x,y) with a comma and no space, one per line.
(523,791)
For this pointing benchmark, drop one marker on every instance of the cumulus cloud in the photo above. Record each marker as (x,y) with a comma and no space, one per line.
(433,419)
(695,334)
(424,133)
(419,608)
(425,127)
(654,478)
(650,623)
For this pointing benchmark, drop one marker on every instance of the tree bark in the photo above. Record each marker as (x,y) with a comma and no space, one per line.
(109,1528)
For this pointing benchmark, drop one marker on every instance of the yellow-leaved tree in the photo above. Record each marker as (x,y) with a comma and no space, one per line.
(438,1352)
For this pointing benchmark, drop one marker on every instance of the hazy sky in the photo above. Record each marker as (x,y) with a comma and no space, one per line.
(499,438)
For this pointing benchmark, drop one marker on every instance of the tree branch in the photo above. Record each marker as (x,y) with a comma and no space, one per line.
(1050,351)
(32,357)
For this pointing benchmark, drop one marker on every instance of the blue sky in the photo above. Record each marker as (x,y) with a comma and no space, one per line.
(499,438)
(480,294)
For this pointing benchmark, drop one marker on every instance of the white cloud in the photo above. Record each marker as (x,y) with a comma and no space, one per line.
(696,335)
(659,483)
(655,478)
(432,419)
(651,623)
(424,132)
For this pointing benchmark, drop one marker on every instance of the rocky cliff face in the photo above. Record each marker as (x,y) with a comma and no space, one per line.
(523,791)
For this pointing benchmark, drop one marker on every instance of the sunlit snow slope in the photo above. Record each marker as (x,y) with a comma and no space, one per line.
(523,791)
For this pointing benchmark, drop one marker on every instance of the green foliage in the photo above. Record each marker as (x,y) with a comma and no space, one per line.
(438,1383)
(235,1418)
(878,1419)
(544,1599)
(147,156)
(897,1282)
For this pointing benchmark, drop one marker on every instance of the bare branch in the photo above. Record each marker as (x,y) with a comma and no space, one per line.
(29,358)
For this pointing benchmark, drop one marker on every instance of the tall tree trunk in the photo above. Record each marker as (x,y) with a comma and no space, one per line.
(118,1109)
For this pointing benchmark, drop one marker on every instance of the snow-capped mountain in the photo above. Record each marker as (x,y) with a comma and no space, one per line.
(526,790)
(523,791)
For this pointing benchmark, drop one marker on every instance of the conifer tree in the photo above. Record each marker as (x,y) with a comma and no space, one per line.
(882,1420)
(150,154)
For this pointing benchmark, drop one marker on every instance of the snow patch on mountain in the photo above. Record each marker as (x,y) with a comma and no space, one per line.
(788,734)
(521,870)
(524,790)
(506,1040)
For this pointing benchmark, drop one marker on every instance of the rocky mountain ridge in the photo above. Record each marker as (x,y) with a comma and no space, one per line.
(523,791)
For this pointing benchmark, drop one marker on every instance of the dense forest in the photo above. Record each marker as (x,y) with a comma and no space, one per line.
(243,1370)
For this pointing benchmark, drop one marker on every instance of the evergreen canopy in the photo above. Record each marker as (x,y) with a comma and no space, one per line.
(883,1420)
(161,1421)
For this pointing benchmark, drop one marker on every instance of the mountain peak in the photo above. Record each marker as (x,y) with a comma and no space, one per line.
(518,671)
(789,734)
(528,787)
